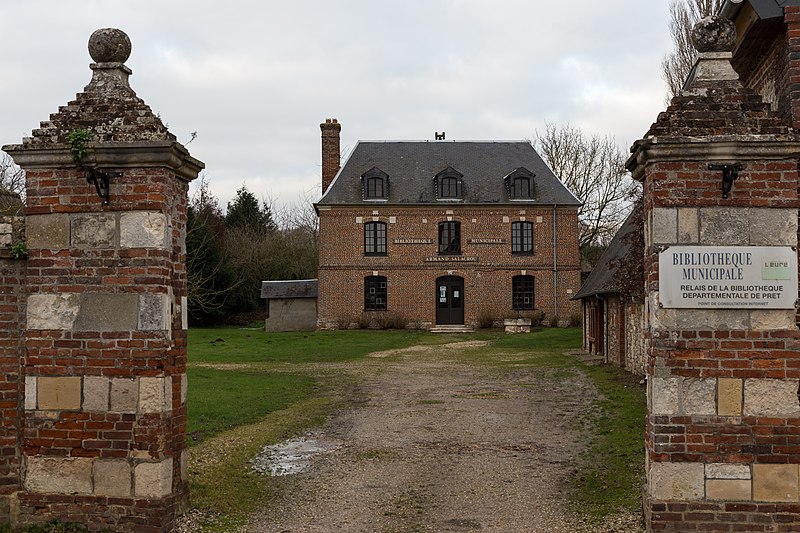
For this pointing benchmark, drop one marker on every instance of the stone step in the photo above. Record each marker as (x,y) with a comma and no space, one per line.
(452,329)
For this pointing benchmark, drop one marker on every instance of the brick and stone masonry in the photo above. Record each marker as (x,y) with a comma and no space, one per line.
(100,434)
(723,423)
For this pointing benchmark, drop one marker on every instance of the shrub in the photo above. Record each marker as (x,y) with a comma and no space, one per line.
(554,321)
(575,320)
(363,321)
(398,321)
(486,320)
(537,318)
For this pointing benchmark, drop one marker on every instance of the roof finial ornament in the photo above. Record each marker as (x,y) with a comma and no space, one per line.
(109,48)
(714,38)
(714,34)
(109,45)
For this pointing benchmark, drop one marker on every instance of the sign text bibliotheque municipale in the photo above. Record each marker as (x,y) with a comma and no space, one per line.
(728,277)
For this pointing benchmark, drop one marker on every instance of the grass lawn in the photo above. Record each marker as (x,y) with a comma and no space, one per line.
(249,389)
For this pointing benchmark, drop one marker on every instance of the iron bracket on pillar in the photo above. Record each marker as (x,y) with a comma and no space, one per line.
(101,181)
(730,171)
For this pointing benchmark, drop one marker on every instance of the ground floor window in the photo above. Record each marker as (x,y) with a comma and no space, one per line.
(375,293)
(522,293)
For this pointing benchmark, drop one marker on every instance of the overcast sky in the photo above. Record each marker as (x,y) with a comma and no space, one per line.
(255,78)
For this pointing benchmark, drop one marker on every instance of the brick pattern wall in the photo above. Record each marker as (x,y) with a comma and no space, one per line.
(723,384)
(331,156)
(412,268)
(12,311)
(105,350)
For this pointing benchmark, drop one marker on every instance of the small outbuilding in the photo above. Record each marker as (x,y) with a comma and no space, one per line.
(611,297)
(291,305)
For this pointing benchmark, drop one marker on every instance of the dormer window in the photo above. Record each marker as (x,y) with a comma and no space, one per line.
(449,184)
(520,184)
(375,184)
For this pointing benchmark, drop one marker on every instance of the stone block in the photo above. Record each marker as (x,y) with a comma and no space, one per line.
(47,231)
(676,481)
(688,225)
(95,393)
(724,226)
(106,311)
(155,394)
(184,465)
(153,480)
(93,230)
(664,394)
(727,471)
(52,311)
(184,388)
(112,478)
(772,319)
(124,395)
(728,489)
(697,396)
(58,475)
(143,229)
(771,398)
(58,393)
(665,225)
(773,227)
(30,392)
(184,312)
(776,483)
(677,319)
(729,397)
(154,312)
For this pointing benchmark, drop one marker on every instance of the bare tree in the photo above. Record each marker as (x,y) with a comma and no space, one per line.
(684,14)
(593,168)
(12,186)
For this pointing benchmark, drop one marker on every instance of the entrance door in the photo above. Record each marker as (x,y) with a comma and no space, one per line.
(450,300)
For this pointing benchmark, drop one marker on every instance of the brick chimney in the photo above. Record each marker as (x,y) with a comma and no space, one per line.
(330,151)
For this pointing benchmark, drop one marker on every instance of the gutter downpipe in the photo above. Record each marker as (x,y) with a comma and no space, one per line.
(555,266)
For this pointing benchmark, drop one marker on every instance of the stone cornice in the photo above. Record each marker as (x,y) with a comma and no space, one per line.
(719,148)
(120,155)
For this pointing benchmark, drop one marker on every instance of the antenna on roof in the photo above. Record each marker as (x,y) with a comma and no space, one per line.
(439,136)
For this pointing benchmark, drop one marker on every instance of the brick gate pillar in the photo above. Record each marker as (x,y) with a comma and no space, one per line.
(104,365)
(723,423)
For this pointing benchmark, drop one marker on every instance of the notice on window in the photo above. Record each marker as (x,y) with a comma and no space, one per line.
(728,277)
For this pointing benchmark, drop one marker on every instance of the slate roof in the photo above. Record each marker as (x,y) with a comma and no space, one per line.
(301,288)
(608,275)
(412,165)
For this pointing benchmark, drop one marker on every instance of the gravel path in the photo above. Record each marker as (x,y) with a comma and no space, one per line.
(430,444)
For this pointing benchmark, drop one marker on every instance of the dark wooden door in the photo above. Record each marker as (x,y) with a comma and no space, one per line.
(450,300)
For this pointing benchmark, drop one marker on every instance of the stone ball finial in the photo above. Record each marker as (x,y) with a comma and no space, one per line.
(714,34)
(109,45)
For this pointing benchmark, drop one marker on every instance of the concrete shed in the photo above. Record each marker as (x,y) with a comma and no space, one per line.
(291,305)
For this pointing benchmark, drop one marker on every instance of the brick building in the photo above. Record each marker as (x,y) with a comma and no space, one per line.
(443,233)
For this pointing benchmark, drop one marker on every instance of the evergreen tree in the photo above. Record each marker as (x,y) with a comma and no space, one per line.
(244,212)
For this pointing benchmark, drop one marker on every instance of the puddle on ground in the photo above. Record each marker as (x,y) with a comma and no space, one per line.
(291,456)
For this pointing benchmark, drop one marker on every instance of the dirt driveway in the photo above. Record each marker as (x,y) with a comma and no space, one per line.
(433,444)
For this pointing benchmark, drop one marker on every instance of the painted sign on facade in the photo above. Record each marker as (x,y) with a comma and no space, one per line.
(728,277)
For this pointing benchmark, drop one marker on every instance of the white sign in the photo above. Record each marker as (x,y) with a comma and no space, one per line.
(728,277)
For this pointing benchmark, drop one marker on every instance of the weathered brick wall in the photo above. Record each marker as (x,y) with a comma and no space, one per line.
(105,357)
(12,312)
(411,278)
